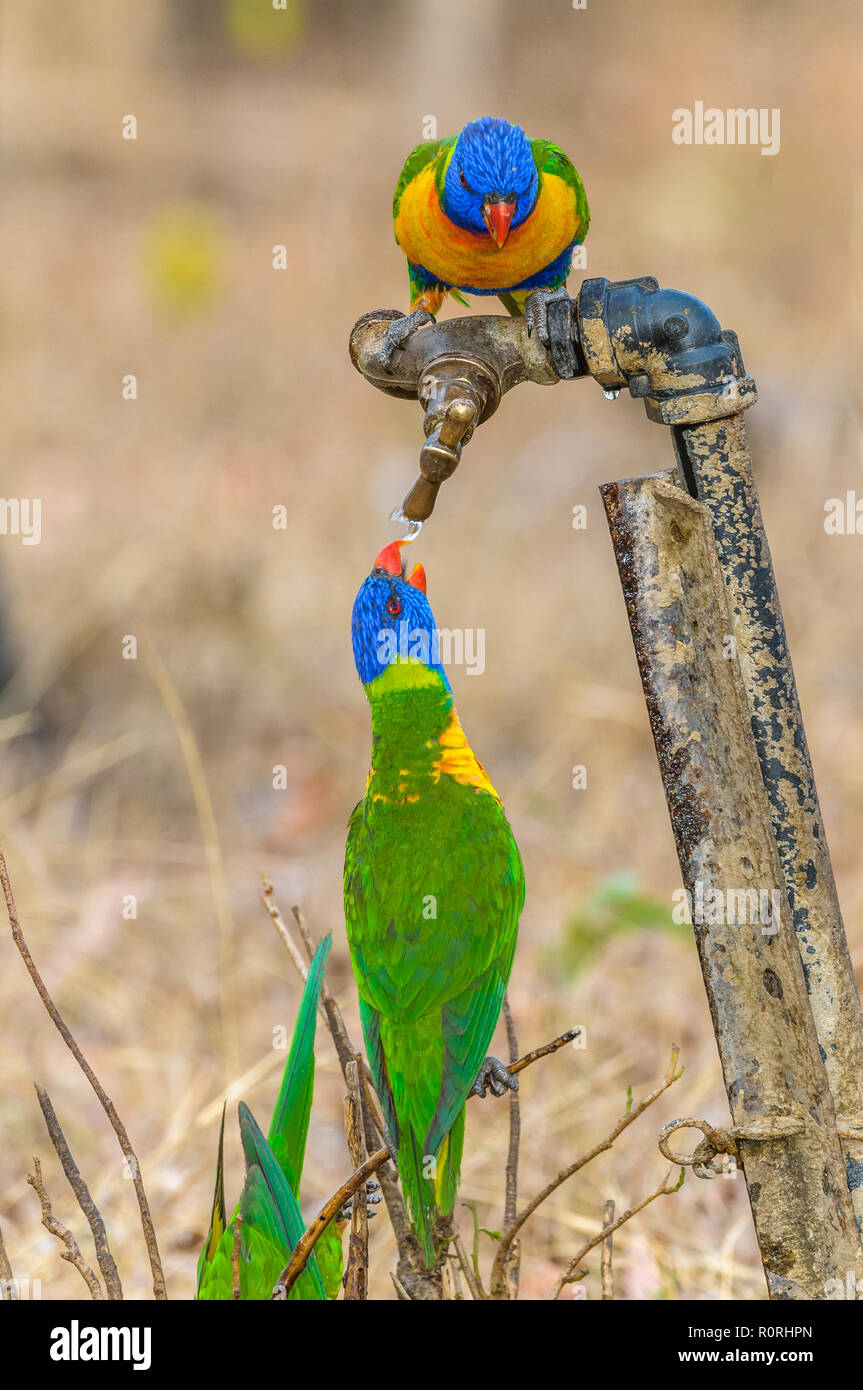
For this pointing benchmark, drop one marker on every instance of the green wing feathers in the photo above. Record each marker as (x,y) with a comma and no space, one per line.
(419,157)
(550,159)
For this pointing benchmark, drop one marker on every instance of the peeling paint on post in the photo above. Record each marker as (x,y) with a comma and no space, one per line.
(699,714)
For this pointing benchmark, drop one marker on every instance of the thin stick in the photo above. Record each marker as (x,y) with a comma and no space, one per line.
(607,1269)
(310,1237)
(72,1252)
(8,1286)
(110,1273)
(510,1209)
(470,1278)
(606,1233)
(357,1269)
(105,1101)
(538,1052)
(288,942)
(628,1118)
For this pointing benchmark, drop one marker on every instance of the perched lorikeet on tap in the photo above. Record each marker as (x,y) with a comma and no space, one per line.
(487,212)
(434,888)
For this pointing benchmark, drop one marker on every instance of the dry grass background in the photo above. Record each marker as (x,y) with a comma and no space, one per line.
(154,258)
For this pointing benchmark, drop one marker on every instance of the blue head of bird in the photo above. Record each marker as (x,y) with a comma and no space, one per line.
(491,183)
(392,623)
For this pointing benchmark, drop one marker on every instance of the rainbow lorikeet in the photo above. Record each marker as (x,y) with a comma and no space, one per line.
(487,212)
(434,888)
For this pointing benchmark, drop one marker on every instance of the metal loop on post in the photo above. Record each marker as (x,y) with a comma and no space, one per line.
(715,1142)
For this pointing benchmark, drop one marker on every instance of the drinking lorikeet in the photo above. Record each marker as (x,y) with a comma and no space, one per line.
(434,888)
(487,212)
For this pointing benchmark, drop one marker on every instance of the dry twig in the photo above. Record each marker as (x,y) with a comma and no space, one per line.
(357,1267)
(510,1208)
(105,1101)
(572,1272)
(72,1253)
(607,1268)
(110,1273)
(629,1117)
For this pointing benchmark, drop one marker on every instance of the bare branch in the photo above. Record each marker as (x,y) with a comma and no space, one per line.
(110,1273)
(470,1278)
(105,1101)
(72,1252)
(269,901)
(607,1270)
(357,1269)
(545,1051)
(510,1209)
(569,1274)
(629,1117)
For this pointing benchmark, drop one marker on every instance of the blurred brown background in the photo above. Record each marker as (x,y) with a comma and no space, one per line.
(153,257)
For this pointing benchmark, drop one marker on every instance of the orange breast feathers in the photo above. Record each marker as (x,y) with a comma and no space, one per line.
(458,760)
(471,259)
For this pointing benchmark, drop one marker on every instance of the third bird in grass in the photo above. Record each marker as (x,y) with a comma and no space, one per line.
(434,888)
(487,212)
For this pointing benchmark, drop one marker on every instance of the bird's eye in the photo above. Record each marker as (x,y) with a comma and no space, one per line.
(394,606)
(463,181)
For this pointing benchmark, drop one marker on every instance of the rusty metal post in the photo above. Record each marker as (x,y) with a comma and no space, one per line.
(669,349)
(716,466)
(784,1130)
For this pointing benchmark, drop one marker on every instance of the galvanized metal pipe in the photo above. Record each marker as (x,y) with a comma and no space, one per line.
(781,1106)
(716,466)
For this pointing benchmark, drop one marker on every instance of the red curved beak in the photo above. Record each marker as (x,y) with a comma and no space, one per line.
(497,213)
(390,559)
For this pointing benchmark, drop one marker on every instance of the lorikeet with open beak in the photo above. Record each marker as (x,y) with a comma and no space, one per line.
(487,212)
(434,888)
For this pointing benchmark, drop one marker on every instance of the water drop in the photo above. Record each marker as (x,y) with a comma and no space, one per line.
(414,527)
